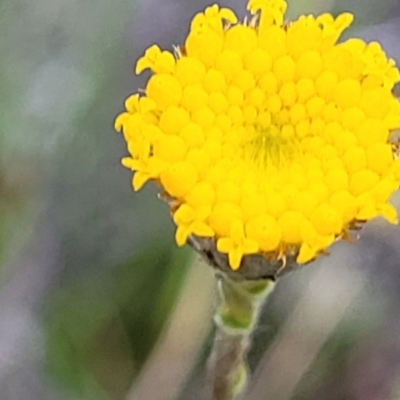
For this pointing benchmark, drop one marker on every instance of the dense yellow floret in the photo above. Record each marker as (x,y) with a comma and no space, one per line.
(268,136)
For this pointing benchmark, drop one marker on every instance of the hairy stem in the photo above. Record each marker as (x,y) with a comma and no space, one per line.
(235,319)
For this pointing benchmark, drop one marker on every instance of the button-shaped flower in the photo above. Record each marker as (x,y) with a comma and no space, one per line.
(270,137)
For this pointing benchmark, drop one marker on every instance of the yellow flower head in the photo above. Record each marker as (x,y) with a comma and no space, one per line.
(269,137)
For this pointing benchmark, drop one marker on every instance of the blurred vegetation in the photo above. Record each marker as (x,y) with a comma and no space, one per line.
(101,332)
(89,268)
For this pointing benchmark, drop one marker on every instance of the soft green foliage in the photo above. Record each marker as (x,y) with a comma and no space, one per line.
(101,329)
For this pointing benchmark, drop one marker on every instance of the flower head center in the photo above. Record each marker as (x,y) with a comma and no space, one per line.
(272,146)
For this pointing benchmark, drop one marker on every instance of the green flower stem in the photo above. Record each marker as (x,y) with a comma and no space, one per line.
(235,319)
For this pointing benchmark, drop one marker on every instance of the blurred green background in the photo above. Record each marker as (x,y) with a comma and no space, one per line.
(96,301)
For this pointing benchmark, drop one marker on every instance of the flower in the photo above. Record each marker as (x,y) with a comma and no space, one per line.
(269,137)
